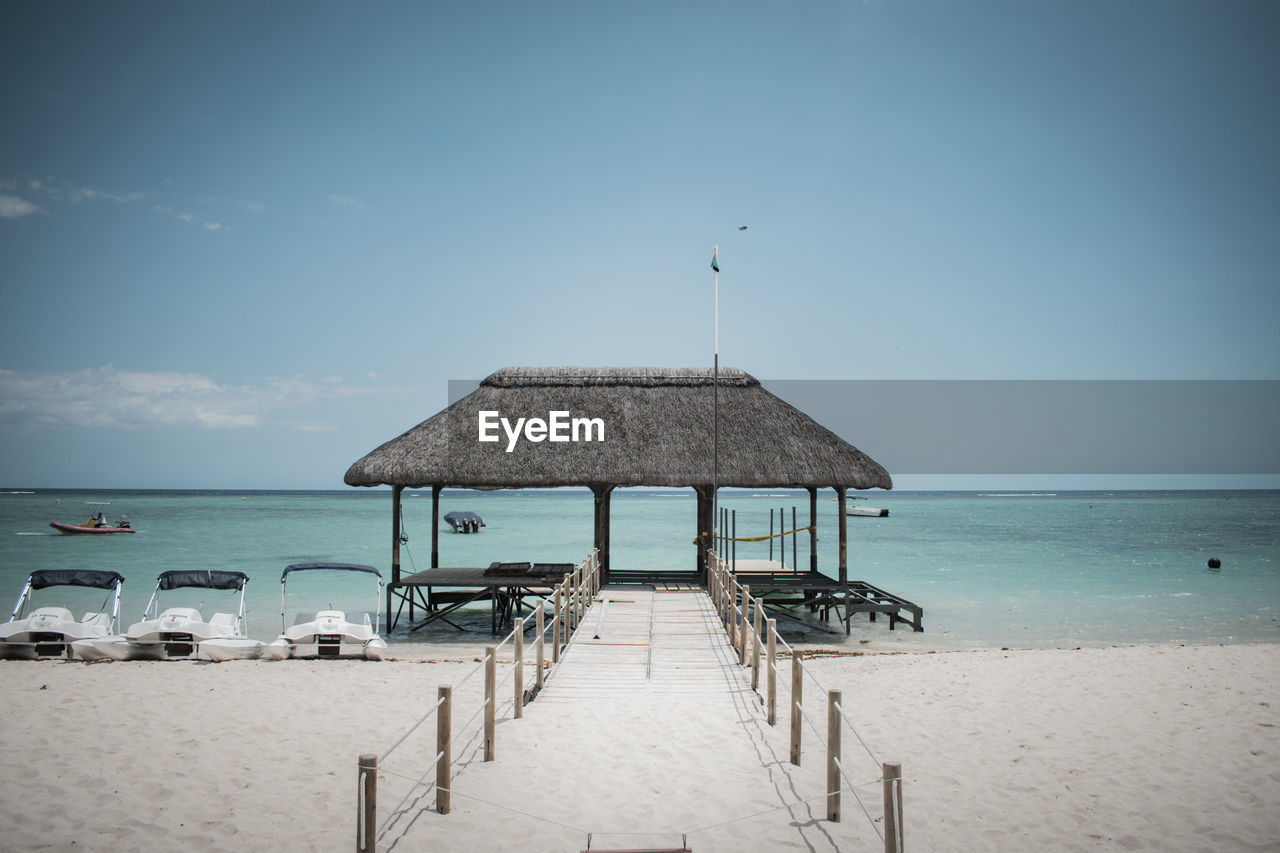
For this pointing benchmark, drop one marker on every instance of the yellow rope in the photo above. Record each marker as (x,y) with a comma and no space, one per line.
(760,538)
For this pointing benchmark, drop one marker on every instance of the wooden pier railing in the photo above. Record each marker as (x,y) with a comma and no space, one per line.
(568,604)
(742,617)
(755,642)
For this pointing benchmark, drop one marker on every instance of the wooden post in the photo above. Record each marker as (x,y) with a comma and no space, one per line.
(395,533)
(571,604)
(395,553)
(541,629)
(795,556)
(519,679)
(755,645)
(771,680)
(435,527)
(444,739)
(731,618)
(813,528)
(742,628)
(892,774)
(771,534)
(833,756)
(555,629)
(843,526)
(733,542)
(797,695)
(367,796)
(490,699)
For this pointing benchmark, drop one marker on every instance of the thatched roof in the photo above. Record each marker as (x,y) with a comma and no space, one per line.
(657,432)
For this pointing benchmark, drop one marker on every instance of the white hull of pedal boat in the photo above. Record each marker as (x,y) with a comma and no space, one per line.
(54,631)
(230,648)
(330,633)
(49,632)
(117,648)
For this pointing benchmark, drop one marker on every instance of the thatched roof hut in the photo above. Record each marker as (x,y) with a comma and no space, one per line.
(646,427)
(657,426)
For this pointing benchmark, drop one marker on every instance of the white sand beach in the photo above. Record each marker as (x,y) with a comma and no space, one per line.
(1133,748)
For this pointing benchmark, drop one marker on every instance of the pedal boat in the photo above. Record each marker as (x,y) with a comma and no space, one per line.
(182,632)
(329,633)
(47,632)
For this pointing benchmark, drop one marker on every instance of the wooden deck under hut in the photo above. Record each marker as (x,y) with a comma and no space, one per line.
(606,428)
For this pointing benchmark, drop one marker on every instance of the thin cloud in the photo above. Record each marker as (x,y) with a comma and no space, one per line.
(108,398)
(16,207)
(353,204)
(214,226)
(169,211)
(81,194)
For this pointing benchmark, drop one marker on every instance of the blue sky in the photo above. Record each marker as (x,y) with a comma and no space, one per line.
(245,243)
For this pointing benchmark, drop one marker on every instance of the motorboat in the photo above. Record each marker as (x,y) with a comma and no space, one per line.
(329,633)
(182,632)
(464,522)
(854,508)
(94,525)
(51,631)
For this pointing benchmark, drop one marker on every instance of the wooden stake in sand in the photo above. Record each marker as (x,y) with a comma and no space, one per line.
(892,774)
(555,629)
(833,756)
(771,681)
(444,737)
(367,794)
(540,628)
(797,689)
(519,679)
(490,698)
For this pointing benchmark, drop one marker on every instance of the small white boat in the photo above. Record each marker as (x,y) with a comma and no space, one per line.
(329,633)
(182,632)
(868,511)
(53,631)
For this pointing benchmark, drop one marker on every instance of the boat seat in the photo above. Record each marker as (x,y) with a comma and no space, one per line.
(102,620)
(223,620)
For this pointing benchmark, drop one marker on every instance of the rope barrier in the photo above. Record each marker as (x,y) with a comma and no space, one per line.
(763,538)
(756,814)
(412,788)
(858,735)
(853,789)
(412,729)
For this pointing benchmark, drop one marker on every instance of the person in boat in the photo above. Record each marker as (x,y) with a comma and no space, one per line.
(101,520)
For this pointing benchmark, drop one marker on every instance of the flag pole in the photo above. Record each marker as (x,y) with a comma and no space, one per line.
(715,407)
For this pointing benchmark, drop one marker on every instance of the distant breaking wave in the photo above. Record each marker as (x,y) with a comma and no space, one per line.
(1018,494)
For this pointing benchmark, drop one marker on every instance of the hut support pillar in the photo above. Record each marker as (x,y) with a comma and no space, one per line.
(395,549)
(602,494)
(395,536)
(435,527)
(813,528)
(843,525)
(703,539)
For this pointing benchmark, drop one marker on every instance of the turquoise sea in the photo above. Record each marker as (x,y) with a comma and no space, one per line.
(990,569)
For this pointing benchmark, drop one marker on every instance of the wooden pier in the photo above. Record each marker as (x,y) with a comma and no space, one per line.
(437,593)
(684,682)
(822,595)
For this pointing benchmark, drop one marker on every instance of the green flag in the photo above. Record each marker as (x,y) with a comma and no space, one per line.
(715,264)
